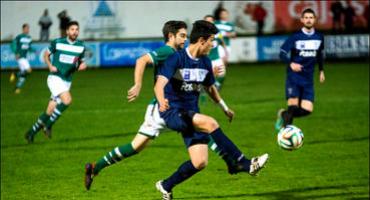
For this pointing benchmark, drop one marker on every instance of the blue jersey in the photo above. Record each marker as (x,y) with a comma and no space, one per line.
(306,49)
(186,76)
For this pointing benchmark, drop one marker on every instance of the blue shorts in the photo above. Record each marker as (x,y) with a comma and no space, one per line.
(299,89)
(181,121)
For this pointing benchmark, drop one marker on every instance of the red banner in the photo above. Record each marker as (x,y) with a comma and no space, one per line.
(287,13)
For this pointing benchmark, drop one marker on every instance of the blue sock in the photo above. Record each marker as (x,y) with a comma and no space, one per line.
(185,171)
(227,146)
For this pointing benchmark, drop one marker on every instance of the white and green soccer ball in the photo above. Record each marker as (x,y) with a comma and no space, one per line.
(290,137)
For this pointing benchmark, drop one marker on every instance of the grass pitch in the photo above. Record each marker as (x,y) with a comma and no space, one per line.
(332,164)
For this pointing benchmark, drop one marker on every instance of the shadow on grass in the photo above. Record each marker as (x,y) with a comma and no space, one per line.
(296,193)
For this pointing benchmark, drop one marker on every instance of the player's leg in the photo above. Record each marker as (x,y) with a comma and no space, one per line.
(198,152)
(62,105)
(150,129)
(41,121)
(24,69)
(209,125)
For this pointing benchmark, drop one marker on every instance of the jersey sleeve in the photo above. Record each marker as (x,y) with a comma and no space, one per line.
(210,78)
(52,47)
(286,48)
(14,45)
(170,66)
(160,55)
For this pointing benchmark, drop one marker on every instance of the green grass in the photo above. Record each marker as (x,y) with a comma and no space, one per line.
(332,164)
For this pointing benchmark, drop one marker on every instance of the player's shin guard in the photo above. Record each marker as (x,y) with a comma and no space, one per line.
(185,171)
(227,146)
(114,156)
(58,110)
(41,121)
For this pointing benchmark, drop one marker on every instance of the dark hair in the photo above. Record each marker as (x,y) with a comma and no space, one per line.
(208,16)
(172,27)
(308,10)
(71,23)
(202,29)
(218,12)
(24,25)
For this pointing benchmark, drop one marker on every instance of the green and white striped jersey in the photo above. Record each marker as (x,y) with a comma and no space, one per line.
(160,55)
(213,54)
(21,45)
(67,56)
(225,27)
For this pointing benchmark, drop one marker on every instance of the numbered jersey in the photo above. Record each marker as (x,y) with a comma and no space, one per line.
(21,45)
(66,56)
(186,76)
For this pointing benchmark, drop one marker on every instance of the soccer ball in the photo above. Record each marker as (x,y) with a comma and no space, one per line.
(290,138)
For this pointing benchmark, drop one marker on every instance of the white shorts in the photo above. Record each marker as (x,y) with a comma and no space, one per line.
(221,52)
(219,64)
(57,86)
(23,64)
(153,123)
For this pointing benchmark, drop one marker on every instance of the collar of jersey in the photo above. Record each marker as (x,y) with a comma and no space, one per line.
(308,33)
(69,41)
(190,56)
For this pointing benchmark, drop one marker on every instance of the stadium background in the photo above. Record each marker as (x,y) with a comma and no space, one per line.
(333,164)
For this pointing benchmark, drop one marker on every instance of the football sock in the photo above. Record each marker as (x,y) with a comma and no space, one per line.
(56,114)
(185,171)
(227,146)
(21,79)
(116,155)
(293,111)
(43,118)
(213,146)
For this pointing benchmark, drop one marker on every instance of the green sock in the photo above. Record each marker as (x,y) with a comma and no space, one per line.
(213,146)
(21,79)
(116,155)
(56,114)
(43,118)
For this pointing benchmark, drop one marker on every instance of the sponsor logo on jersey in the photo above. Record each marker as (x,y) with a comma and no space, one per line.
(311,53)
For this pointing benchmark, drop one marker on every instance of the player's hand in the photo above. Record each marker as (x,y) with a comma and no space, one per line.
(296,67)
(133,92)
(82,66)
(163,106)
(53,69)
(230,114)
(322,77)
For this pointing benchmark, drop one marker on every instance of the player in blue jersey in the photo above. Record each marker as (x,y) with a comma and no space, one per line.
(306,49)
(177,89)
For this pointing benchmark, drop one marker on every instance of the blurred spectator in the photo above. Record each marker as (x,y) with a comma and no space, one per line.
(259,15)
(45,23)
(64,19)
(337,10)
(349,14)
(366,16)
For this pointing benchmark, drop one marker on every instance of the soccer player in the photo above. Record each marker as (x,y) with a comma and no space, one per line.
(218,65)
(68,57)
(21,45)
(227,30)
(306,48)
(177,90)
(175,35)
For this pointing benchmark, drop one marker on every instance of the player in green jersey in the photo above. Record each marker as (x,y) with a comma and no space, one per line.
(175,36)
(68,57)
(227,30)
(21,45)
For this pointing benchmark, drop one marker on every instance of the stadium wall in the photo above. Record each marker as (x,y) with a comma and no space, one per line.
(244,49)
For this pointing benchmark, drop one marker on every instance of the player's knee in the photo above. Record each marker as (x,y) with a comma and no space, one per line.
(200,164)
(212,124)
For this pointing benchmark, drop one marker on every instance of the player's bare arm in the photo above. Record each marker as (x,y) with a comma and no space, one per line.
(159,93)
(215,95)
(82,66)
(48,62)
(141,63)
